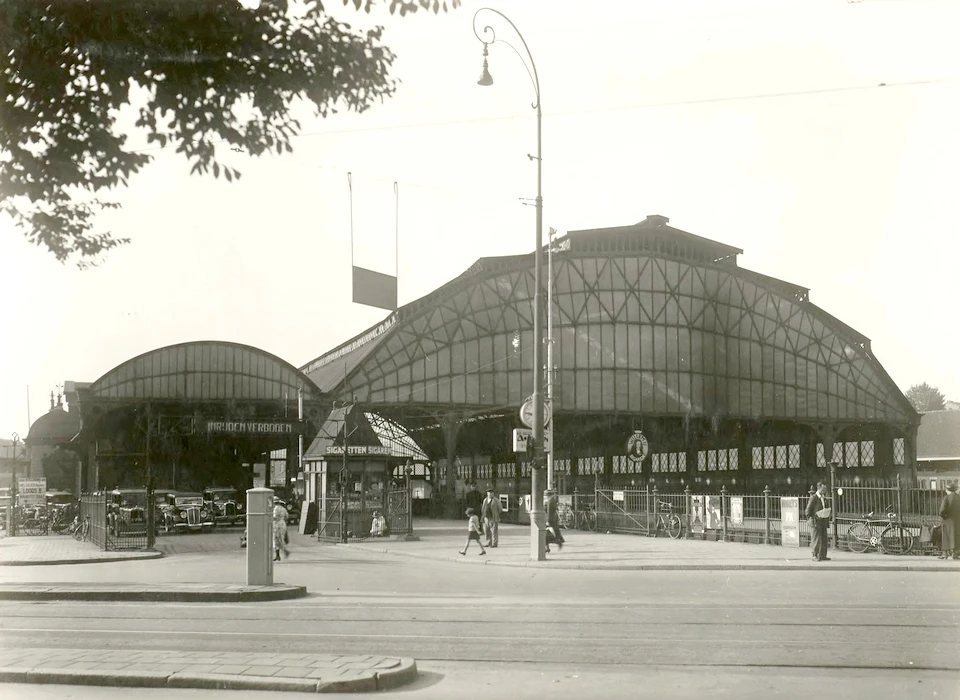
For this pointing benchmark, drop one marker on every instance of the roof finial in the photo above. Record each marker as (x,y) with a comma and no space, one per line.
(51,400)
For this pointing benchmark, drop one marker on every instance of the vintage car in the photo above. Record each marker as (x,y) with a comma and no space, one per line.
(226,505)
(184,511)
(126,511)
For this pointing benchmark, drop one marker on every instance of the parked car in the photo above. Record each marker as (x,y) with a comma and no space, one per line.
(184,511)
(126,511)
(225,503)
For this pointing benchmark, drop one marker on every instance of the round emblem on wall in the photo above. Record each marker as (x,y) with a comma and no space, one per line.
(637,447)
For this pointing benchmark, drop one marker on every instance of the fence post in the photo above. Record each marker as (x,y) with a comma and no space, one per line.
(106,530)
(899,511)
(688,507)
(646,496)
(723,510)
(766,515)
(656,511)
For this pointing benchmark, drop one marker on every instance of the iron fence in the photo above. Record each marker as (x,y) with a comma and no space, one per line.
(329,525)
(114,525)
(753,518)
(93,509)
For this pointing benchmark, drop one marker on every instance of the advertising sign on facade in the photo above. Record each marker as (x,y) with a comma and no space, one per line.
(244,427)
(32,492)
(696,522)
(358,450)
(736,510)
(790,521)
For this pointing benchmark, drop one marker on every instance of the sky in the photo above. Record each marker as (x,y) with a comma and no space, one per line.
(820,136)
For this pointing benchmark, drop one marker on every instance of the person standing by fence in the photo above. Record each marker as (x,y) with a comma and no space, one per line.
(818,516)
(950,533)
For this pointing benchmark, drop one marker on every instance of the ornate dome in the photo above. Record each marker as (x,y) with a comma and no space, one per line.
(56,427)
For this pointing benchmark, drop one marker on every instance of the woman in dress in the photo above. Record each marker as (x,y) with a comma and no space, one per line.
(279,529)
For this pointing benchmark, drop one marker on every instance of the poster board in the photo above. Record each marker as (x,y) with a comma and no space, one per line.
(736,511)
(696,521)
(789,521)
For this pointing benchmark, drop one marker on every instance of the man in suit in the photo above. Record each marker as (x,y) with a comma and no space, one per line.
(490,512)
(818,525)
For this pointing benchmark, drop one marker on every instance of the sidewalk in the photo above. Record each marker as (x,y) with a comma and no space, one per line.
(441,540)
(60,549)
(314,673)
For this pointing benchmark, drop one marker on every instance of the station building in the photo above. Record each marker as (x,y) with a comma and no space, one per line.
(673,366)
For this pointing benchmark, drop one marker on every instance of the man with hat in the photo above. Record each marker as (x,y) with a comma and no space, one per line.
(490,512)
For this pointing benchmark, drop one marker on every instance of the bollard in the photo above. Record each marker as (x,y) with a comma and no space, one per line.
(260,537)
(766,514)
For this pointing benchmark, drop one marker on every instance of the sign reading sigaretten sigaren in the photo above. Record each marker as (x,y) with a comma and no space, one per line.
(358,450)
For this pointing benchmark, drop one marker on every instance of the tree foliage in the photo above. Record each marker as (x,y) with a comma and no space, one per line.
(925,397)
(212,72)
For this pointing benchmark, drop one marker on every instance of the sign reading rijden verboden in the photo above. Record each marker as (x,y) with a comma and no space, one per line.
(251,427)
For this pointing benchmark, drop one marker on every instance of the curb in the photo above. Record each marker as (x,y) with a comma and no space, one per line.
(57,562)
(405,672)
(172,596)
(558,564)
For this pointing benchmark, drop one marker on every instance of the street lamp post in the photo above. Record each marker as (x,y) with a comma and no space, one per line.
(537,531)
(11,509)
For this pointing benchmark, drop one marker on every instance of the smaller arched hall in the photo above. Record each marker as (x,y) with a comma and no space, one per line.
(193,415)
(732,376)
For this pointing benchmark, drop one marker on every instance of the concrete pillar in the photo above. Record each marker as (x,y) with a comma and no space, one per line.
(260,537)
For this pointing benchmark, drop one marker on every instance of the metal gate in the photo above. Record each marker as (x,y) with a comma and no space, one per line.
(329,520)
(399,512)
(622,516)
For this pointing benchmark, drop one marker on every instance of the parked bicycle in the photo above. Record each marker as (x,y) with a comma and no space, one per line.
(668,520)
(81,528)
(885,535)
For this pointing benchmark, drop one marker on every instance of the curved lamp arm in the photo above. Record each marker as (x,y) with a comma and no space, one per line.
(488,36)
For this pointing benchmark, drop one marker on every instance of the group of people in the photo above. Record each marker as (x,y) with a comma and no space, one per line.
(490,510)
(818,516)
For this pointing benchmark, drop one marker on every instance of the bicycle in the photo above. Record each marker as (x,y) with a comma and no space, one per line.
(81,529)
(585,519)
(668,520)
(894,538)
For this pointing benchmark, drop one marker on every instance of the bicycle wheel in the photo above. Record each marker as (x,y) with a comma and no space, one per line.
(896,539)
(674,525)
(858,537)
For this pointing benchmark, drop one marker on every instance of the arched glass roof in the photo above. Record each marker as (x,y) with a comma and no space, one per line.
(205,370)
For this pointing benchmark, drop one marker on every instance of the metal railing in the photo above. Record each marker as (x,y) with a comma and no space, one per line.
(757,518)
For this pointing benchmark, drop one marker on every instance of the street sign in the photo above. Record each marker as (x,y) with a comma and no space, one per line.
(526,413)
(523,436)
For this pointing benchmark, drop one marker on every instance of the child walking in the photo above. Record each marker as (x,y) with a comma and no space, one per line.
(473,532)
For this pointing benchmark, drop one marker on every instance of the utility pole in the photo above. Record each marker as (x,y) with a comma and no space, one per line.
(151,524)
(551,234)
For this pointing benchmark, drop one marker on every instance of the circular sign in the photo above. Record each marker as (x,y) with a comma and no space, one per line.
(637,447)
(526,413)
